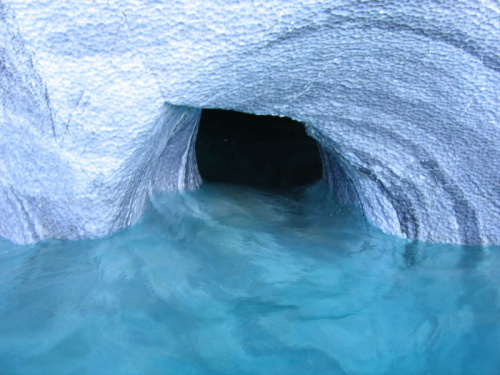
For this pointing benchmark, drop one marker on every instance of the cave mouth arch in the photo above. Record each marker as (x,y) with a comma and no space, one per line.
(265,152)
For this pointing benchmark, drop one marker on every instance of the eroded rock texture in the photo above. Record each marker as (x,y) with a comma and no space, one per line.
(403,97)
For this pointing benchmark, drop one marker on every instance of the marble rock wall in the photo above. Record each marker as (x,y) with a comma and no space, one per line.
(101,100)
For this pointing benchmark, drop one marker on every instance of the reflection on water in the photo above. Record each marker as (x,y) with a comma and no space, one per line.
(229,280)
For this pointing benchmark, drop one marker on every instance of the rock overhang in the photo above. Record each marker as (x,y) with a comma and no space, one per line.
(403,98)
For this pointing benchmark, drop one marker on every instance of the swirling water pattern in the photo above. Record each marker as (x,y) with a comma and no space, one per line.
(230,280)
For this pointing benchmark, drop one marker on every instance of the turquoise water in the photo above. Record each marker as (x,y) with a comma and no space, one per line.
(230,280)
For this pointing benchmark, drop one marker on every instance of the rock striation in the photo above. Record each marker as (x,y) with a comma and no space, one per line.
(100,102)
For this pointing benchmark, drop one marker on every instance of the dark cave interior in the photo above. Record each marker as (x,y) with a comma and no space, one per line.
(266,152)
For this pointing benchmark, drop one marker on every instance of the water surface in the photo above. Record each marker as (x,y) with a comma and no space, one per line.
(230,280)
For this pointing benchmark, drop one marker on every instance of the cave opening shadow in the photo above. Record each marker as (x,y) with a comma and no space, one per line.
(265,152)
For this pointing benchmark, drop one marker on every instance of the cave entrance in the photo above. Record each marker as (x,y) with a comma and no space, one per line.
(267,152)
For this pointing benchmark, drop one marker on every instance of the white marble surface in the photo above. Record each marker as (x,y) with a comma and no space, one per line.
(404,95)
